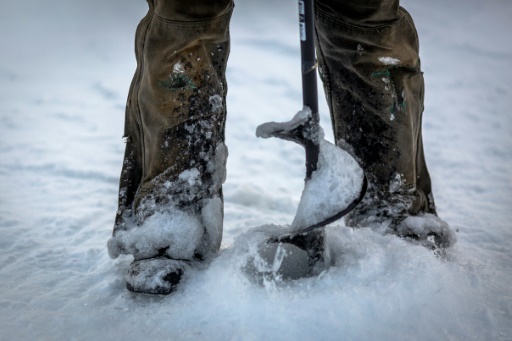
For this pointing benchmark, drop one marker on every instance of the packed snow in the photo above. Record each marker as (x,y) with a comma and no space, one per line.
(65,72)
(178,231)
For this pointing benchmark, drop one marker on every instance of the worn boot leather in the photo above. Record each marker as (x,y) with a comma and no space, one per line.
(370,67)
(174,128)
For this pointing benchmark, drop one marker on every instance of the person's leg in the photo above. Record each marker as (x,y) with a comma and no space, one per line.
(370,67)
(170,195)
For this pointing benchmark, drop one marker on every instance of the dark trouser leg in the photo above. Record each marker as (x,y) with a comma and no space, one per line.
(174,126)
(369,63)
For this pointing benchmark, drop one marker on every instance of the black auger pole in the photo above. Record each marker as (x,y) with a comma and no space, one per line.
(309,83)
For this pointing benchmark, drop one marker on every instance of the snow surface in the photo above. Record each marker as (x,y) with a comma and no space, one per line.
(65,72)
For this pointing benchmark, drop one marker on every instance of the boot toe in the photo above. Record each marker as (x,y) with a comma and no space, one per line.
(427,229)
(156,275)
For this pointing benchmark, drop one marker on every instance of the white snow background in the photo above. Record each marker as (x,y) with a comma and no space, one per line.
(65,69)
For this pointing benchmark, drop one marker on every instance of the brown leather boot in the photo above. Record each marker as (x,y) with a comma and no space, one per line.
(370,67)
(170,194)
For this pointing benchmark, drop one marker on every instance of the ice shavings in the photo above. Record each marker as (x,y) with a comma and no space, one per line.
(185,191)
(396,183)
(389,61)
(189,176)
(333,186)
(175,232)
(427,226)
(216,103)
(267,130)
(267,263)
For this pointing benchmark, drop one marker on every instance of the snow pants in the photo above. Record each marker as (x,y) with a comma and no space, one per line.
(176,110)
(368,55)
(175,157)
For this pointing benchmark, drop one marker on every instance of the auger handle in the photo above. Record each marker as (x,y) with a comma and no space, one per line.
(309,80)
